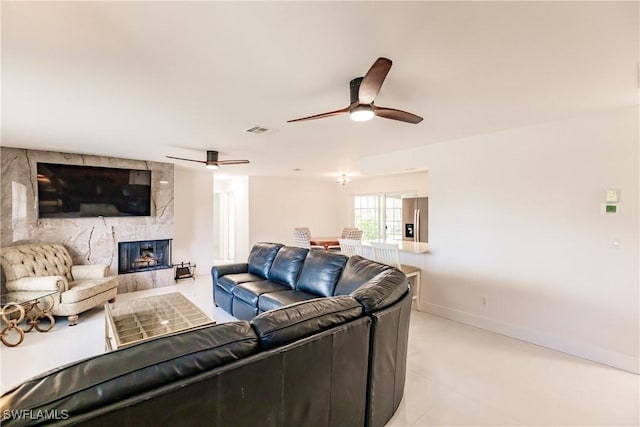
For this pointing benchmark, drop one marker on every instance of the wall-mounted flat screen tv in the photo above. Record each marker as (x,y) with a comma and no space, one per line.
(74,191)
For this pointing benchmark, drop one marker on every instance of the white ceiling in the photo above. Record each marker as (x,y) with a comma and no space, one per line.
(144,80)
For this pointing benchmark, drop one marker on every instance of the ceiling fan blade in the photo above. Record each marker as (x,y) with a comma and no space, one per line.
(323,115)
(391,113)
(372,81)
(188,160)
(232,162)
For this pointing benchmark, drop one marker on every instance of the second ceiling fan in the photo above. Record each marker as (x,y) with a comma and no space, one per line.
(212,161)
(363,92)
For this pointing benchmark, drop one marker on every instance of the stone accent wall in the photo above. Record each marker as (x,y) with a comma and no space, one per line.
(89,240)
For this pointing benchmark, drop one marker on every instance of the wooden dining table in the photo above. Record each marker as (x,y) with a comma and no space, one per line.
(325,242)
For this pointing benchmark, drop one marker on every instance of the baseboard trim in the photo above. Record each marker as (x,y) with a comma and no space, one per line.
(575,348)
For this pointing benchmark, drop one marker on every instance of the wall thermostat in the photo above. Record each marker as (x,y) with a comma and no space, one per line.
(611,208)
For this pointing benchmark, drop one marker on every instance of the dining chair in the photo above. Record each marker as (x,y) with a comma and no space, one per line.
(302,238)
(346,230)
(351,233)
(350,247)
(389,253)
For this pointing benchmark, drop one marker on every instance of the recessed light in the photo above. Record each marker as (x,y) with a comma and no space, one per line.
(164,182)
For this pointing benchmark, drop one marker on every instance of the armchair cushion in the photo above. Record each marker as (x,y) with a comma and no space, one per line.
(80,290)
(91,271)
(36,259)
(42,283)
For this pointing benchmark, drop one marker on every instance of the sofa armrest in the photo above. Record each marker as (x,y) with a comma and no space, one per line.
(39,283)
(224,269)
(89,271)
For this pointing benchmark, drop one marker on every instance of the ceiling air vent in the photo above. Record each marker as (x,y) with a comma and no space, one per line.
(257,130)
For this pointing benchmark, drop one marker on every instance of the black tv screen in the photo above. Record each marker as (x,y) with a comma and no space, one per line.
(73,191)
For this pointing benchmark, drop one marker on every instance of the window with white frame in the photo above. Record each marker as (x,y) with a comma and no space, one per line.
(379,216)
(367,215)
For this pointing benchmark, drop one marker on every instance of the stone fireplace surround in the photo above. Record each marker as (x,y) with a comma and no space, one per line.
(89,240)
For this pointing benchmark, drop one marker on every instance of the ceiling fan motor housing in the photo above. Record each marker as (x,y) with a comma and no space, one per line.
(354,86)
(212,157)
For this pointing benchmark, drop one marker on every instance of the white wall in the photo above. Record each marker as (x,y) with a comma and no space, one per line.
(193,227)
(278,204)
(515,216)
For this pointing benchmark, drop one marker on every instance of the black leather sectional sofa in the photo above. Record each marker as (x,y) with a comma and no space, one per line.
(327,347)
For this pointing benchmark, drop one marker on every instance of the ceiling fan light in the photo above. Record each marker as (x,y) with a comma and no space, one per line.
(212,167)
(361,113)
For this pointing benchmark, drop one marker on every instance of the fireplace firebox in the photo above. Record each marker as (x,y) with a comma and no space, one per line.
(144,255)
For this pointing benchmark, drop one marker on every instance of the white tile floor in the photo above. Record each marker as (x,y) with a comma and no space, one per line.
(456,375)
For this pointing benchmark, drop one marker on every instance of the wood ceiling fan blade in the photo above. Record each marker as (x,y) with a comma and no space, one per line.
(323,115)
(232,162)
(188,160)
(391,113)
(372,81)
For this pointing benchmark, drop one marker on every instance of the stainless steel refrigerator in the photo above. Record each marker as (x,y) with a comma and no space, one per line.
(415,215)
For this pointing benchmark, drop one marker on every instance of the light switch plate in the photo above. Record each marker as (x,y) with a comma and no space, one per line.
(613,195)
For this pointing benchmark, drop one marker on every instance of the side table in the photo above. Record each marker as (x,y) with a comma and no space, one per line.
(18,306)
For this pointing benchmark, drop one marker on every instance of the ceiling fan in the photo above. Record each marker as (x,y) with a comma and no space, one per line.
(212,161)
(363,92)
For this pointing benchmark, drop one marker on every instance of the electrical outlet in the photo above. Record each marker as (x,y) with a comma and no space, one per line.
(485,301)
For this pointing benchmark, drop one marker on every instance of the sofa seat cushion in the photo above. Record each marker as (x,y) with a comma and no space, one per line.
(357,272)
(287,265)
(274,300)
(98,381)
(80,290)
(321,272)
(261,257)
(250,291)
(230,281)
(287,324)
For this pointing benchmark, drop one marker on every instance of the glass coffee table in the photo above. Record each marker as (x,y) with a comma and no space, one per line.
(133,321)
(34,306)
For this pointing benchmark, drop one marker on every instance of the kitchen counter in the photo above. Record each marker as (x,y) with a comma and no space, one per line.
(408,247)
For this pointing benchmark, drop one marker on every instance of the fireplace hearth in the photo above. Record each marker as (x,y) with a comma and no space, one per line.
(144,255)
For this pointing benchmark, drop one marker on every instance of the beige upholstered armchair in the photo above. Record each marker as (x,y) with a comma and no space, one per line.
(48,266)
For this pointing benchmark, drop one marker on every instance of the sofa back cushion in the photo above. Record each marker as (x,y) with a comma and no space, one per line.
(98,381)
(287,265)
(357,272)
(261,257)
(35,260)
(292,322)
(383,290)
(321,272)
